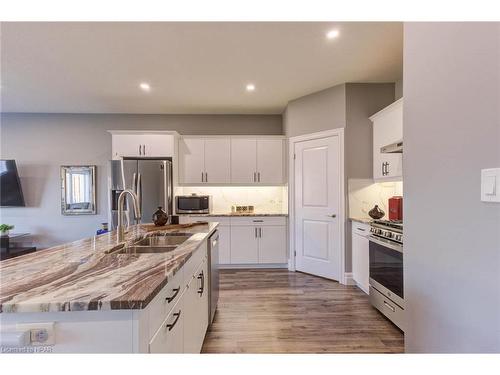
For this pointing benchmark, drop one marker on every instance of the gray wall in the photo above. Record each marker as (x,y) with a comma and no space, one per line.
(344,106)
(452,239)
(40,143)
(323,110)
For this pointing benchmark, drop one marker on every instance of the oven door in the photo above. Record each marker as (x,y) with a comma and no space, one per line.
(386,268)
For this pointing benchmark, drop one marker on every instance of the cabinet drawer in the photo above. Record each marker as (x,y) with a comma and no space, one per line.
(169,338)
(194,262)
(259,220)
(362,229)
(163,303)
(388,308)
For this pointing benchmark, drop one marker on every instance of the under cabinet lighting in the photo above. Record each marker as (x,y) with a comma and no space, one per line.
(145,86)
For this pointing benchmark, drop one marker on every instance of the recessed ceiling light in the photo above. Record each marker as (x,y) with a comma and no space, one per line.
(145,86)
(250,87)
(332,34)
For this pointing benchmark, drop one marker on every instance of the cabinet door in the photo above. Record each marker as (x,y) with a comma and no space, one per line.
(196,306)
(387,129)
(243,160)
(158,145)
(126,145)
(270,161)
(170,336)
(224,244)
(244,245)
(360,261)
(272,244)
(192,160)
(218,160)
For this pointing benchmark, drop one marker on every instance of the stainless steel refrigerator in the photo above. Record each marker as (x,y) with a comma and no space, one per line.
(150,179)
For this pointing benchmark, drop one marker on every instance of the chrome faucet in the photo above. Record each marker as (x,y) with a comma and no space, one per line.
(120,237)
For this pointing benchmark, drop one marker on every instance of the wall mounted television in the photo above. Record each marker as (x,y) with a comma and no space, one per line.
(11,193)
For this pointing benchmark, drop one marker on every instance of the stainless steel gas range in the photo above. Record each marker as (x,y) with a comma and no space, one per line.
(386,270)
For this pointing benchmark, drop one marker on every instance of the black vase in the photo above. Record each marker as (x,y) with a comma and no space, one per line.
(376,213)
(160,217)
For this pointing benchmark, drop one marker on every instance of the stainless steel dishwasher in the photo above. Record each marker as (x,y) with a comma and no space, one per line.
(213,261)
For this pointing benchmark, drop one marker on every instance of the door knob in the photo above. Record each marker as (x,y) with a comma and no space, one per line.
(333,215)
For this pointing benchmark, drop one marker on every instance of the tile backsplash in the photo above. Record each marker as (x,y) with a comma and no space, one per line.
(364,194)
(265,199)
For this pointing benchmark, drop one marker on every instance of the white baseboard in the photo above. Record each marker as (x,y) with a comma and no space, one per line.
(348,280)
(250,266)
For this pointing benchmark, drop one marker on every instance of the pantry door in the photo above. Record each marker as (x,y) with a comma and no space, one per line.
(318,219)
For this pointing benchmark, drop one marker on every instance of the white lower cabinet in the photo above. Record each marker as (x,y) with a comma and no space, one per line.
(170,336)
(196,307)
(244,245)
(360,255)
(272,244)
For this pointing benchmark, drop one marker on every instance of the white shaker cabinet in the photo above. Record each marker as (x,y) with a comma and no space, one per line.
(272,244)
(126,143)
(360,255)
(170,337)
(270,161)
(257,160)
(204,160)
(196,310)
(387,129)
(244,160)
(244,245)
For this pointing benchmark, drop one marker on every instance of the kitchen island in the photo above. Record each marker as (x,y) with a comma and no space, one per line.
(100,298)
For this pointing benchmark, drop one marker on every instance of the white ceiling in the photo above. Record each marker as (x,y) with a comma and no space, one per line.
(192,67)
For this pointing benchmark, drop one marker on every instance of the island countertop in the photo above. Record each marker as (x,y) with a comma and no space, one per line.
(83,275)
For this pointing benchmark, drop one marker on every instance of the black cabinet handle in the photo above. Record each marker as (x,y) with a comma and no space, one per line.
(172,325)
(171,298)
(383,169)
(201,277)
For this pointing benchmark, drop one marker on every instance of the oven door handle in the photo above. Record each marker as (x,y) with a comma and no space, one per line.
(380,242)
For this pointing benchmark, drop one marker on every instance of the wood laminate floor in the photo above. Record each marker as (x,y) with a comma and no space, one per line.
(277,311)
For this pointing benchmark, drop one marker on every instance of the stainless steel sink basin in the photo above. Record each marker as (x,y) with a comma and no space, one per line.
(146,249)
(165,240)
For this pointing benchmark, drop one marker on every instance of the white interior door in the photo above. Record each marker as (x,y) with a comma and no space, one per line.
(218,160)
(317,207)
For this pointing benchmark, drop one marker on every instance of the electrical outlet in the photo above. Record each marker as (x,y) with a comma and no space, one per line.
(40,333)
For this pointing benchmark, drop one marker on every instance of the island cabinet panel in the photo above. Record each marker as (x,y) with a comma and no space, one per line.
(170,336)
(196,307)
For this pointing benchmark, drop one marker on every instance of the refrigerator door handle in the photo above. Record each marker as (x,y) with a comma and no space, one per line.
(139,196)
(167,183)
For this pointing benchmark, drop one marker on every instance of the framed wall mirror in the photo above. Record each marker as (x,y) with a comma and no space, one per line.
(78,191)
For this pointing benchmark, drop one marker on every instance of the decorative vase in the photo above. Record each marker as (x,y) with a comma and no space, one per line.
(376,213)
(160,217)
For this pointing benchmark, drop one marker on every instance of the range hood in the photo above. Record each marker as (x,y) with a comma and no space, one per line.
(393,148)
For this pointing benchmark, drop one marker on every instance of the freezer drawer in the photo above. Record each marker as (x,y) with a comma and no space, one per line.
(390,309)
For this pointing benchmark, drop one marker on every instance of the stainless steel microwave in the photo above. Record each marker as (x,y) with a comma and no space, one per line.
(192,204)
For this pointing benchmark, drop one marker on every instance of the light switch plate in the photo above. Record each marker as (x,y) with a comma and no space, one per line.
(490,185)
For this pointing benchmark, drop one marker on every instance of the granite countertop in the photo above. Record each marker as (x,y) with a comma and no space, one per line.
(232,214)
(83,275)
(365,220)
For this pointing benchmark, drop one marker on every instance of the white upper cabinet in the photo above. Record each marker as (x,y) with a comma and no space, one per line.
(231,160)
(270,161)
(257,160)
(205,160)
(142,144)
(244,160)
(387,129)
(192,160)
(217,160)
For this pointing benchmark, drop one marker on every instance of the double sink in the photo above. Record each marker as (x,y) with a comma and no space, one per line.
(160,243)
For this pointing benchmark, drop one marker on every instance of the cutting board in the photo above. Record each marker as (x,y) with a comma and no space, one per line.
(152,227)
